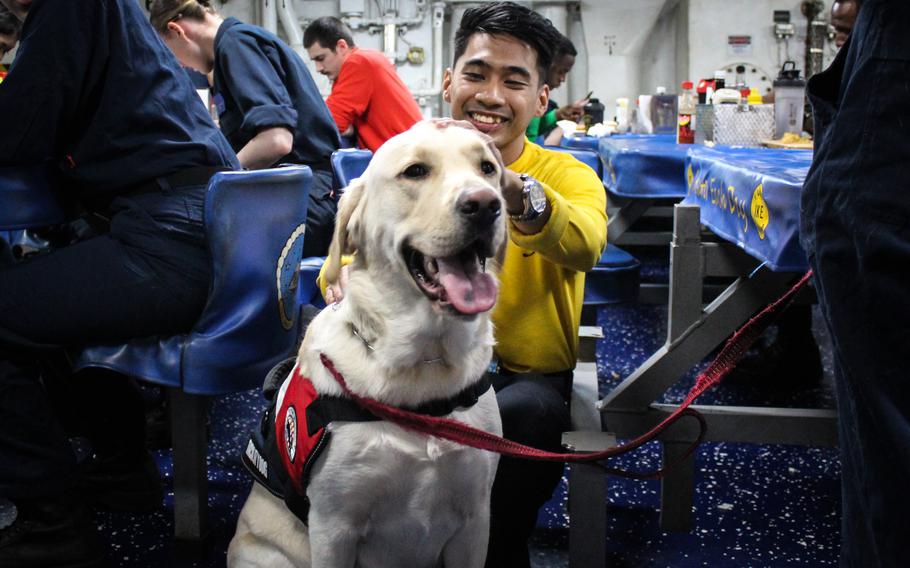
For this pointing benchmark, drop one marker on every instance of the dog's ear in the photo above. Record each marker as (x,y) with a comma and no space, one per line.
(345,221)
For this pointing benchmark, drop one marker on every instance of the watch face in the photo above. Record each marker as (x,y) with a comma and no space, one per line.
(534,197)
(537,197)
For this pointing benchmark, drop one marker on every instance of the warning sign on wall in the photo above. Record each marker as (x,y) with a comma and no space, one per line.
(739,45)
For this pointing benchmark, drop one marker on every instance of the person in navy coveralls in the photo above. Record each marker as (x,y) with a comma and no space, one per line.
(855,228)
(269,106)
(96,99)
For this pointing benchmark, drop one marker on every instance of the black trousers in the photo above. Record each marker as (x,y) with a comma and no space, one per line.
(320,215)
(148,275)
(855,226)
(534,412)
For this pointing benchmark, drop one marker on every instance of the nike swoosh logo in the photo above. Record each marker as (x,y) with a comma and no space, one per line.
(527,254)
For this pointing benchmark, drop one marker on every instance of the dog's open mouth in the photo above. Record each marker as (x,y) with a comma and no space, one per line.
(459,281)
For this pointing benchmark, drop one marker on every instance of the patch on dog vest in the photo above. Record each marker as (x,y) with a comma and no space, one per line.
(299,445)
(292,434)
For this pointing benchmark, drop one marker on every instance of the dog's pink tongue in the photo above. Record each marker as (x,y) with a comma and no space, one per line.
(469,294)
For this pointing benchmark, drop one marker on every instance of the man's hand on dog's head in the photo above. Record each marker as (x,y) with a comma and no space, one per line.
(511,185)
(447,122)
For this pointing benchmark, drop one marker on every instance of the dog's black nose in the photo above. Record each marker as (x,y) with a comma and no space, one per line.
(480,206)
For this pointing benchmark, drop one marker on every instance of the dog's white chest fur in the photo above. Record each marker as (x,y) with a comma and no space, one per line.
(416,495)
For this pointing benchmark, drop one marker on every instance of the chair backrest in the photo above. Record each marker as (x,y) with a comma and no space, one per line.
(349,164)
(255,224)
(587,157)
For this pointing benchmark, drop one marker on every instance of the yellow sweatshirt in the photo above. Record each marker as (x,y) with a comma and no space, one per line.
(538,312)
(543,281)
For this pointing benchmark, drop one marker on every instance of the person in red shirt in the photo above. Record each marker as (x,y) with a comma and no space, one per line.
(368,97)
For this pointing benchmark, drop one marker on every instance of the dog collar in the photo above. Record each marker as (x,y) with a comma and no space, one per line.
(356,332)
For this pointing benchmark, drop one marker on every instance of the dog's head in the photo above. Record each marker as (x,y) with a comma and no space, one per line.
(429,209)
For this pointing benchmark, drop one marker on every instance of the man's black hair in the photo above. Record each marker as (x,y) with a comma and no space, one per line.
(565,47)
(9,24)
(327,31)
(511,19)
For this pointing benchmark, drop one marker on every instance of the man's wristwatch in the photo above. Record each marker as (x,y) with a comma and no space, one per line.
(533,198)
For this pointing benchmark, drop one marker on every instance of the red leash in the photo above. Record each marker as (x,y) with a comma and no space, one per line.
(461,433)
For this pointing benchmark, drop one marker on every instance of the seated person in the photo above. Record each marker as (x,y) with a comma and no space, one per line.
(557,229)
(368,97)
(270,109)
(95,96)
(544,129)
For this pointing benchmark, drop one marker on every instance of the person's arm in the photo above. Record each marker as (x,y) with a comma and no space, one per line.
(554,138)
(575,231)
(59,58)
(267,147)
(573,111)
(512,189)
(269,117)
(351,93)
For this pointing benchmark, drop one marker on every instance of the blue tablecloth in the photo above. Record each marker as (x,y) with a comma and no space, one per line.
(750,197)
(27,198)
(644,165)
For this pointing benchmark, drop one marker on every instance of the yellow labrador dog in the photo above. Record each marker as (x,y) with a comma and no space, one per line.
(412,331)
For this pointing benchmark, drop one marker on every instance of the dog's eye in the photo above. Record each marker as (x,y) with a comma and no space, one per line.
(487,167)
(416,171)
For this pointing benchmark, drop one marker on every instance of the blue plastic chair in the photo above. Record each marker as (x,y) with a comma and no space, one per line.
(580,142)
(617,275)
(614,280)
(255,225)
(349,164)
(308,289)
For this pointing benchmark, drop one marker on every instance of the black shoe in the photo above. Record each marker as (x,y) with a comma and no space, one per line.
(120,483)
(50,533)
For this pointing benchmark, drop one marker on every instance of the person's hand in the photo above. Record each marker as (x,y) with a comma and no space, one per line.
(512,190)
(573,111)
(447,122)
(334,292)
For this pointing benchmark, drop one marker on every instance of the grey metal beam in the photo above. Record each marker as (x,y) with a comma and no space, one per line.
(677,489)
(587,501)
(738,424)
(622,218)
(673,360)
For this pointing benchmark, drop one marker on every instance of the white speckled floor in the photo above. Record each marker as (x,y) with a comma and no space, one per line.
(754,506)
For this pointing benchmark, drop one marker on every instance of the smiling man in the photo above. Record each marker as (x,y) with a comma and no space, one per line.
(557,229)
